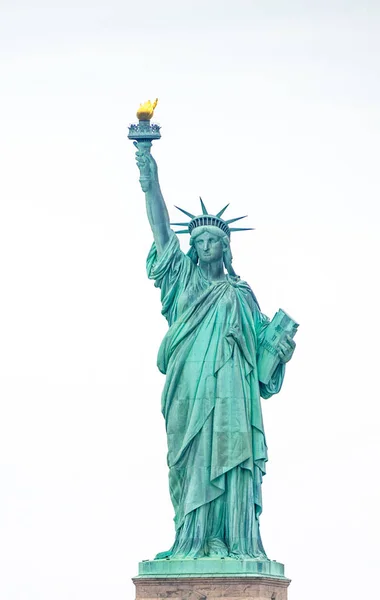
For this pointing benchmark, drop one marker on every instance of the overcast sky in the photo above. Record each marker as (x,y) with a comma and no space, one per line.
(271,106)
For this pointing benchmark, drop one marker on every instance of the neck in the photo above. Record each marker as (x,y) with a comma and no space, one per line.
(213,271)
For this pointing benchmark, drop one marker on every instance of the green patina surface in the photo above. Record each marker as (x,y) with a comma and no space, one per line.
(209,567)
(211,400)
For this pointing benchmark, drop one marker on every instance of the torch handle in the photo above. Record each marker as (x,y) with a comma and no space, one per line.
(143,148)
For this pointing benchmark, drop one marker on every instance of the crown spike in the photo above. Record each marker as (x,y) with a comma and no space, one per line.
(237,219)
(222,211)
(242,228)
(204,209)
(208,220)
(185,212)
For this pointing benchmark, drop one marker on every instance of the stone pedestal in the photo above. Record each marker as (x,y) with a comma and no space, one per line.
(211,579)
(207,588)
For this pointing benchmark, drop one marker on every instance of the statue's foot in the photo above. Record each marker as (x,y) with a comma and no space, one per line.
(242,556)
(161,555)
(170,554)
(216,548)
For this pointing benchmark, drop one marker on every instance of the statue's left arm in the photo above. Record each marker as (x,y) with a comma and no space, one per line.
(285,350)
(285,353)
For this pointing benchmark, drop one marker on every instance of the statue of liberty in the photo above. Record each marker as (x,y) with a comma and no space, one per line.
(211,398)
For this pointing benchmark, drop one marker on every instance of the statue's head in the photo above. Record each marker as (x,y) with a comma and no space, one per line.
(210,244)
(210,236)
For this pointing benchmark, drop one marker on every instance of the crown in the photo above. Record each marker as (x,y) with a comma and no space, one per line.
(207,219)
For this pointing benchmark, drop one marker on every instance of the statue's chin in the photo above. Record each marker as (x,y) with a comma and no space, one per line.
(207,258)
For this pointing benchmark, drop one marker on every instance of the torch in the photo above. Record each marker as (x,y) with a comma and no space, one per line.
(143,133)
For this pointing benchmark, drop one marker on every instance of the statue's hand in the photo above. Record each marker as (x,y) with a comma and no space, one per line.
(147,166)
(286,349)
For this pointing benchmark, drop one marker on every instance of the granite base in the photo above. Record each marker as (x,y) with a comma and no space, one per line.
(204,579)
(215,588)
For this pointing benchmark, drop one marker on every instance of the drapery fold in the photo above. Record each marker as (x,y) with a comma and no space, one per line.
(211,402)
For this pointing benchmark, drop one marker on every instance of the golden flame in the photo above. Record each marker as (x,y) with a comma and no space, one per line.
(145,111)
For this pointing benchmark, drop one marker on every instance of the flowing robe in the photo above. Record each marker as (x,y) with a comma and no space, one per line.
(211,405)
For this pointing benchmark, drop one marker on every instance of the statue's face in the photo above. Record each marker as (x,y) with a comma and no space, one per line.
(209,247)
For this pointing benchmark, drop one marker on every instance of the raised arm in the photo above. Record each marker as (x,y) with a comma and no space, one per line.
(155,204)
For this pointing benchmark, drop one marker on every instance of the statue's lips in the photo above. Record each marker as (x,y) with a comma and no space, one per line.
(204,256)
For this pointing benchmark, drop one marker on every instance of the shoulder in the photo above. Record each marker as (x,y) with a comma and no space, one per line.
(245,290)
(170,261)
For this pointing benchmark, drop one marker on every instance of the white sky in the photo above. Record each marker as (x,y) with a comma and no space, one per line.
(273,106)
